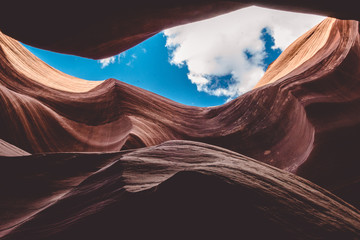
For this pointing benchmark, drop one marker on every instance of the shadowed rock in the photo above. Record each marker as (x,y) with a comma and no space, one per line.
(98,30)
(307,101)
(183,189)
(301,118)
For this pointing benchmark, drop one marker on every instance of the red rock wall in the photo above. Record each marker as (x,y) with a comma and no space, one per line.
(302,118)
(176,190)
(305,122)
(98,30)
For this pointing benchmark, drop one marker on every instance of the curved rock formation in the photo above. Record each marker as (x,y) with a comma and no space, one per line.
(98,30)
(175,190)
(30,184)
(310,101)
(302,118)
(7,149)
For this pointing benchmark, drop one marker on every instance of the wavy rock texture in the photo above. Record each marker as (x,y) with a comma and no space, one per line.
(7,149)
(175,190)
(302,118)
(98,30)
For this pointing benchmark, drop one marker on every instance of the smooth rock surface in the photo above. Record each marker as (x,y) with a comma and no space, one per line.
(98,30)
(92,160)
(176,190)
(7,149)
(303,117)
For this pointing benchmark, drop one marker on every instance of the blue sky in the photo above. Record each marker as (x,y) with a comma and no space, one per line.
(200,64)
(146,66)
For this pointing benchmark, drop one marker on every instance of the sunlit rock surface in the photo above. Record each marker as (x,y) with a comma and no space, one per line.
(7,149)
(90,160)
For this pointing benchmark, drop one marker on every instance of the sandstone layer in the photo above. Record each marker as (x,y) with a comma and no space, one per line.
(175,190)
(302,118)
(98,30)
(92,160)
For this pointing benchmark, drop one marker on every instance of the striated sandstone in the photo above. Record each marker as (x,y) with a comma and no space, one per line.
(98,30)
(93,160)
(307,101)
(175,190)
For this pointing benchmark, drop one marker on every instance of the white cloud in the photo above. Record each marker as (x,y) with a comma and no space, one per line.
(216,47)
(133,57)
(120,56)
(110,60)
(107,61)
